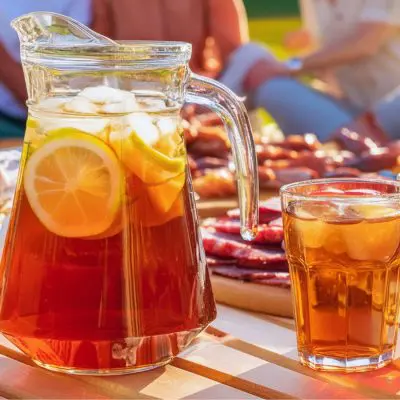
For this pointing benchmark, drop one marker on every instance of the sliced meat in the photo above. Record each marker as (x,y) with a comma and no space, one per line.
(376,160)
(317,162)
(276,222)
(266,234)
(266,178)
(301,142)
(283,282)
(265,258)
(343,172)
(268,210)
(215,183)
(211,163)
(354,142)
(292,175)
(247,274)
(271,152)
(217,261)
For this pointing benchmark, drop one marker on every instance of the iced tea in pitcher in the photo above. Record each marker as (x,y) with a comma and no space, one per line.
(101,200)
(342,240)
(103,270)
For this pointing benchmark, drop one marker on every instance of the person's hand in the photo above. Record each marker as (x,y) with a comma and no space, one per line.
(262,71)
(298,40)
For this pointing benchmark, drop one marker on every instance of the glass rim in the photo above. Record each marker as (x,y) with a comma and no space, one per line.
(287,190)
(127,50)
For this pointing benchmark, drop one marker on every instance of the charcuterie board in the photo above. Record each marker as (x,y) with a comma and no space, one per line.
(274,300)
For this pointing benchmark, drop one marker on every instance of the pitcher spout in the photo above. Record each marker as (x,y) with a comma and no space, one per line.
(46,28)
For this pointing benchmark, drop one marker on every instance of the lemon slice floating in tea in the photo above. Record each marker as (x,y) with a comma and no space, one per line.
(73,182)
(133,145)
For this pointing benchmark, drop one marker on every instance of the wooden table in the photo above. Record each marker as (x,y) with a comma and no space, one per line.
(241,356)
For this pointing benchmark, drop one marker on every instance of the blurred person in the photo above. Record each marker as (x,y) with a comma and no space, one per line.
(215,28)
(360,52)
(12,85)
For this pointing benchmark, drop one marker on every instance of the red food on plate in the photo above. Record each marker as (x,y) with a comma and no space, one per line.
(268,211)
(217,261)
(343,172)
(247,255)
(276,222)
(249,274)
(266,234)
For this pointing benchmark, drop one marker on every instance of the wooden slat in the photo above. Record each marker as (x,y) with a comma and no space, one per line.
(165,382)
(168,382)
(212,355)
(257,359)
(21,381)
(269,342)
(258,390)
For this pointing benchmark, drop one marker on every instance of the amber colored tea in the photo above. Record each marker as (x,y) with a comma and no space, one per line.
(102,269)
(345,263)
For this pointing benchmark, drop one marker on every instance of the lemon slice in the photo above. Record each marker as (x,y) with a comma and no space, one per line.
(147,163)
(163,196)
(73,183)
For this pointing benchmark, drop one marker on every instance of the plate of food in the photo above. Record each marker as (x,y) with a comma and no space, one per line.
(281,160)
(249,275)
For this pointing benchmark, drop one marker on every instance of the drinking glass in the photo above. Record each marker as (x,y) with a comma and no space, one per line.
(342,241)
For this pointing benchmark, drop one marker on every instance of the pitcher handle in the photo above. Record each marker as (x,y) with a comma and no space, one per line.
(210,93)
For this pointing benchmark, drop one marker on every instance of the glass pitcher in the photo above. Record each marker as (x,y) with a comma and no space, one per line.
(103,269)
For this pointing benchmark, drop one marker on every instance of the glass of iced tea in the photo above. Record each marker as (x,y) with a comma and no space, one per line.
(342,239)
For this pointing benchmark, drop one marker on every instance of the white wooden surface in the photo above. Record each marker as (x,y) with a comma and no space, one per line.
(241,356)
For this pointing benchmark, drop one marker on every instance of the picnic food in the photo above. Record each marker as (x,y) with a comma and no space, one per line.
(342,240)
(254,275)
(296,158)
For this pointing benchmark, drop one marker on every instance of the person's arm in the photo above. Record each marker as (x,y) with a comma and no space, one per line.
(228,25)
(378,22)
(365,40)
(12,76)
(306,37)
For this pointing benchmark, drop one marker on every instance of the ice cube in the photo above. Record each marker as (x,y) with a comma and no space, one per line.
(105,94)
(140,124)
(52,103)
(152,104)
(334,242)
(377,237)
(128,105)
(324,210)
(80,105)
(362,192)
(375,211)
(167,125)
(311,230)
(327,192)
(94,126)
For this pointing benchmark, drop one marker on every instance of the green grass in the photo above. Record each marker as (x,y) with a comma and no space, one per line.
(271,32)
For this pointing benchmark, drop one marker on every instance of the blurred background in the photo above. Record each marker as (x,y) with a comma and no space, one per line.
(283,16)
